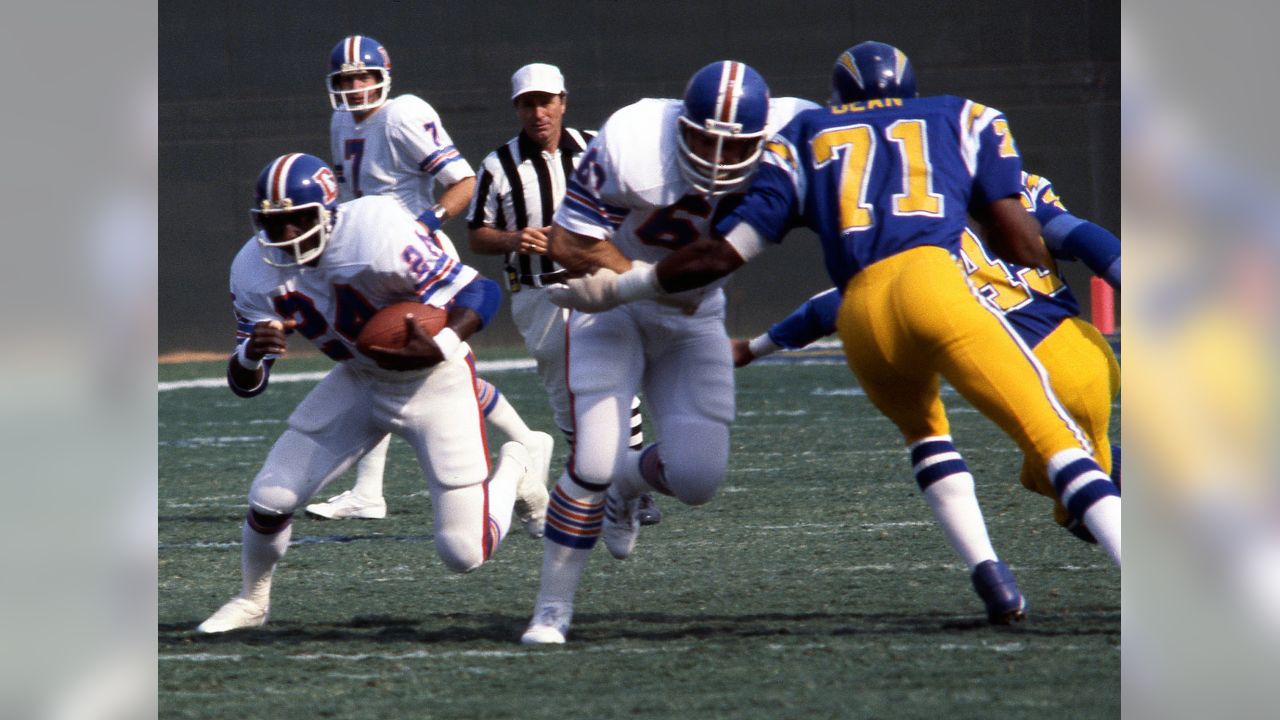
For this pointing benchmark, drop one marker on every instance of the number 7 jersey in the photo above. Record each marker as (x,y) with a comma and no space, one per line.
(879,177)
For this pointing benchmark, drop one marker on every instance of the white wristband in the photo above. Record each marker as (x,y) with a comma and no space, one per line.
(245,362)
(448,342)
(639,283)
(763,345)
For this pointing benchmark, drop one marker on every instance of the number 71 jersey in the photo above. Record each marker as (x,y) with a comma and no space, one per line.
(879,177)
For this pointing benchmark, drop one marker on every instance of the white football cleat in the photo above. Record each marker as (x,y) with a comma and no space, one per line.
(349,505)
(550,624)
(621,523)
(531,488)
(236,614)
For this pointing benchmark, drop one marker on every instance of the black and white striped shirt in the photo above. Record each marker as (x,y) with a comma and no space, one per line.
(531,200)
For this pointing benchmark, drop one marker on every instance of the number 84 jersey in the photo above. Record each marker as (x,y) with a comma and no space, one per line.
(377,255)
(628,188)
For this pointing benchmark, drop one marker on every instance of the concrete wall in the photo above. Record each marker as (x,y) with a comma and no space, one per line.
(242,82)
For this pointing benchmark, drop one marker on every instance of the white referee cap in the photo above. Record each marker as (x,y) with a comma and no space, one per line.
(537,77)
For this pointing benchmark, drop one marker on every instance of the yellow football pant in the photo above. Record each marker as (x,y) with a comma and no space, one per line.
(910,317)
(1086,378)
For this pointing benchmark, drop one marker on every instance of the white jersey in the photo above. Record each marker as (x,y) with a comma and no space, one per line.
(377,255)
(399,151)
(629,189)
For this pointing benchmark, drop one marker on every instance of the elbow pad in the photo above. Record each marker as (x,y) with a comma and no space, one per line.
(1070,238)
(481,295)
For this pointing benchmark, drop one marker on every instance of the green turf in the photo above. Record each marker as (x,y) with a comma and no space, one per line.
(814,586)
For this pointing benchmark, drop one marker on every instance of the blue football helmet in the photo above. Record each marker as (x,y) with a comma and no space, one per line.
(725,101)
(357,54)
(871,70)
(290,184)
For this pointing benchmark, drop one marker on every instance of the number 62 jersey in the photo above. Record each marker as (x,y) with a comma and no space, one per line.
(629,190)
(377,255)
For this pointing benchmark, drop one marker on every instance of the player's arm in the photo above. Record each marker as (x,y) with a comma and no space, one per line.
(583,254)
(1072,238)
(470,311)
(1010,231)
(249,365)
(814,319)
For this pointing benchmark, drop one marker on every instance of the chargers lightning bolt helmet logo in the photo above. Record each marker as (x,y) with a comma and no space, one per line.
(871,70)
(293,184)
(727,104)
(358,54)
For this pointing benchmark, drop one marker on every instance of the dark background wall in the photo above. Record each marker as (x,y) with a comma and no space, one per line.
(242,82)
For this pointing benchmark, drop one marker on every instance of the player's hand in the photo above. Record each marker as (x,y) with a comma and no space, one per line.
(742,354)
(596,292)
(533,241)
(419,351)
(268,338)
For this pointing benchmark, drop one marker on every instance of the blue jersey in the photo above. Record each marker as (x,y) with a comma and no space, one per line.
(879,177)
(1035,301)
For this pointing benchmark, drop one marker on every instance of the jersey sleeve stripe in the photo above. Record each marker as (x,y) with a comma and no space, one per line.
(974,118)
(436,161)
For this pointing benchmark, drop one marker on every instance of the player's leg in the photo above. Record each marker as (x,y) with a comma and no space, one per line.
(1085,377)
(988,363)
(365,500)
(328,430)
(894,372)
(498,411)
(647,509)
(441,419)
(604,366)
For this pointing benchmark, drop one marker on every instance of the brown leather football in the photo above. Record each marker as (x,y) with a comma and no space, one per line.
(386,328)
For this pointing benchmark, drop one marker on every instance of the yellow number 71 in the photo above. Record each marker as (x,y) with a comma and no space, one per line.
(855,146)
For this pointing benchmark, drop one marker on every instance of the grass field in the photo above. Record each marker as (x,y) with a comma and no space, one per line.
(814,586)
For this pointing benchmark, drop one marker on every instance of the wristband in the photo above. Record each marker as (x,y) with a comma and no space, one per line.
(448,342)
(433,218)
(639,283)
(763,345)
(245,362)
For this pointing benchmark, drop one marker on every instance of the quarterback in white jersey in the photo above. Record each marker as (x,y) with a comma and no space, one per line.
(322,270)
(399,148)
(657,176)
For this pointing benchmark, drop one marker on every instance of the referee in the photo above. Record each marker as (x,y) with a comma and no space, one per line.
(519,187)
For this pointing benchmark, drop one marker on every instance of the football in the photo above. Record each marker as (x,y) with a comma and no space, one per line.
(386,327)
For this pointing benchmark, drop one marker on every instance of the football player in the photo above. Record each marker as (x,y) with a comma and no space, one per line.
(322,270)
(1041,307)
(399,147)
(885,181)
(657,176)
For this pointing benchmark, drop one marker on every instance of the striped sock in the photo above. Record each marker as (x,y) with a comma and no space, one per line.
(947,484)
(574,519)
(637,425)
(1090,495)
(574,515)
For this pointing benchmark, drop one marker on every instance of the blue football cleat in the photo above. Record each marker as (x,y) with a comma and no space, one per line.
(648,510)
(995,584)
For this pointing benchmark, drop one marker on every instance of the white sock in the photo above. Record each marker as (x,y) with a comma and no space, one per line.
(1080,483)
(259,554)
(955,507)
(369,471)
(505,418)
(1103,520)
(502,492)
(562,564)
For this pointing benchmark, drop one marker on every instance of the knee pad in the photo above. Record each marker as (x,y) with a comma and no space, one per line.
(267,524)
(269,498)
(460,554)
